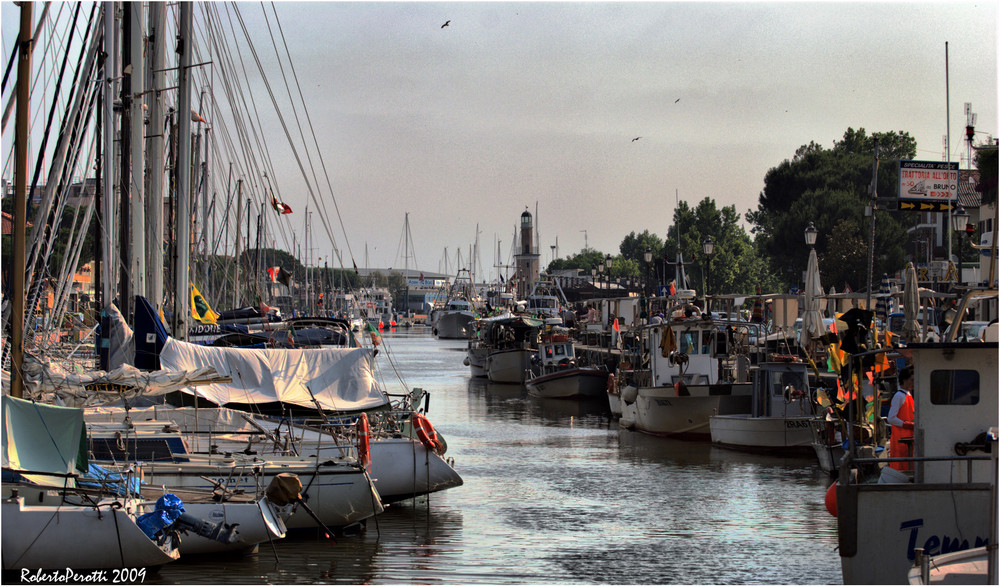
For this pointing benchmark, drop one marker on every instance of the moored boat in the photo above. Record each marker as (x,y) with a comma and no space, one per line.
(557,374)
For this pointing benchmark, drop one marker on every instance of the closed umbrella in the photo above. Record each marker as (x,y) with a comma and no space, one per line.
(812,319)
(882,304)
(911,304)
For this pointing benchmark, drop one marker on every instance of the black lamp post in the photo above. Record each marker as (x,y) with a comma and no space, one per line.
(607,263)
(648,258)
(708,247)
(600,268)
(593,277)
(959,221)
(811,234)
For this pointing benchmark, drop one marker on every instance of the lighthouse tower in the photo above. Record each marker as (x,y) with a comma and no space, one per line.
(526,259)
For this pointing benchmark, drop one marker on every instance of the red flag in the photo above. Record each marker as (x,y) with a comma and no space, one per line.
(673,288)
(615,327)
(273,272)
(280,207)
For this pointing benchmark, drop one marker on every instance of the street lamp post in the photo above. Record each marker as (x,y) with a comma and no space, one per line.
(607,263)
(600,268)
(648,258)
(708,247)
(593,277)
(959,222)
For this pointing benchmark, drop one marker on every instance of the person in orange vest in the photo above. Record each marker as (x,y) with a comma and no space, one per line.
(901,419)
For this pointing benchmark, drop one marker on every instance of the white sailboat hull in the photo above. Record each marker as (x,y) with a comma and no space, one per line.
(402,468)
(74,537)
(258,522)
(570,383)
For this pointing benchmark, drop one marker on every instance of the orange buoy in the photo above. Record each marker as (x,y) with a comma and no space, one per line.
(426,432)
(364,441)
(831,499)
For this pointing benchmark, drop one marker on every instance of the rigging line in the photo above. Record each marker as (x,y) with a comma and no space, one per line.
(312,131)
(281,118)
(38,29)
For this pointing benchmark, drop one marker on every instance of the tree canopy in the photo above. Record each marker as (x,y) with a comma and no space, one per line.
(831,188)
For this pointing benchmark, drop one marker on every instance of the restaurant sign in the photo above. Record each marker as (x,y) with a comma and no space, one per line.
(928,181)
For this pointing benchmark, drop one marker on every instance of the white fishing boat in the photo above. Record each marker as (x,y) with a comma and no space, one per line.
(781,413)
(947,501)
(512,342)
(690,377)
(557,375)
(454,320)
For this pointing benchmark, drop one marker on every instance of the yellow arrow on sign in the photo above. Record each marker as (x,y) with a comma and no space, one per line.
(906,206)
(926,206)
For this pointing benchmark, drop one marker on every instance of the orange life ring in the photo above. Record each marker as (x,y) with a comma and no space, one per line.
(426,432)
(364,441)
(611,383)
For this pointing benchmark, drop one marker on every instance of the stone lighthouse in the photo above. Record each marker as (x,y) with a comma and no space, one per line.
(526,258)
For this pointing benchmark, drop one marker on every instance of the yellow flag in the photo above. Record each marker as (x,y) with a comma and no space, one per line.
(200,309)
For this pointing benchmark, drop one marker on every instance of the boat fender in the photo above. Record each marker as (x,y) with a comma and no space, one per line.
(831,499)
(364,441)
(629,394)
(611,384)
(425,432)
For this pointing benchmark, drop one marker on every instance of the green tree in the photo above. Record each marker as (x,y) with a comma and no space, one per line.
(735,265)
(825,187)
(986,163)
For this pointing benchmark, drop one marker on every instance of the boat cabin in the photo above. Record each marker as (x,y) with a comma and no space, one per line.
(781,390)
(556,351)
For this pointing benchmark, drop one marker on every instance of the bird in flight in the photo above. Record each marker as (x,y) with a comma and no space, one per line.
(636,139)
(677,100)
(446,23)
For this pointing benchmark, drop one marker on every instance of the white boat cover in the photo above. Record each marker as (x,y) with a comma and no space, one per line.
(42,439)
(339,379)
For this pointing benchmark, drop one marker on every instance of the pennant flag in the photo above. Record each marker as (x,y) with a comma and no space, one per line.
(200,309)
(374,335)
(673,287)
(280,207)
(421,276)
(279,275)
(195,117)
(319,300)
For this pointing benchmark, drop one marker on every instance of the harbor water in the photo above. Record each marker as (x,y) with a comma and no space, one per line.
(556,492)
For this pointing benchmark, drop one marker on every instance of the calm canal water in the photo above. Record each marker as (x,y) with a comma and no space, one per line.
(555,492)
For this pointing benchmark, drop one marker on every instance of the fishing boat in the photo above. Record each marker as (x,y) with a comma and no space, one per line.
(556,373)
(454,320)
(690,377)
(512,342)
(782,411)
(946,502)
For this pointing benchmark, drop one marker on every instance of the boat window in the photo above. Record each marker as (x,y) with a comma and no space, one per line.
(959,387)
(688,343)
(706,341)
(548,352)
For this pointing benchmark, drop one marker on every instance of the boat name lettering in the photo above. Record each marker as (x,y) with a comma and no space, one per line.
(796,424)
(68,575)
(934,545)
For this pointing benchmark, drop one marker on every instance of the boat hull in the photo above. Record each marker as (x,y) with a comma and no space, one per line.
(338,494)
(477,361)
(661,412)
(508,366)
(402,468)
(71,537)
(900,517)
(257,521)
(453,325)
(772,434)
(570,383)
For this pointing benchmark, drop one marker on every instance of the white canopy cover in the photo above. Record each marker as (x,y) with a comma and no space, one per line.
(341,380)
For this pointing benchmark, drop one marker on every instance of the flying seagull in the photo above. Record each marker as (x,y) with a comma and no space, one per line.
(445,23)
(677,100)
(636,139)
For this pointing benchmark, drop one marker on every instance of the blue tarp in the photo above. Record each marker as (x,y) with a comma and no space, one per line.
(168,508)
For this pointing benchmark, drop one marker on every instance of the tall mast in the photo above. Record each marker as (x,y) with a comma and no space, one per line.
(155,77)
(183,246)
(20,201)
(134,189)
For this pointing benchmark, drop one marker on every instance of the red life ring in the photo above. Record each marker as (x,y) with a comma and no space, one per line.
(426,432)
(364,441)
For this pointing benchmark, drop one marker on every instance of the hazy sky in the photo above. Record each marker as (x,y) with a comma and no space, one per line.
(516,104)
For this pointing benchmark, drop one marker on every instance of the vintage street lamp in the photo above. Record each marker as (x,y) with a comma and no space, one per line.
(959,221)
(708,247)
(811,234)
(648,258)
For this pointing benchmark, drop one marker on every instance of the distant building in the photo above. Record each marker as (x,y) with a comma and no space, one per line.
(526,261)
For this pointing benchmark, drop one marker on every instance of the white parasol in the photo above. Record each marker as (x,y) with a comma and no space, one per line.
(812,319)
(911,304)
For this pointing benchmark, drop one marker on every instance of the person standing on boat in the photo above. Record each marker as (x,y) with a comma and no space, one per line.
(901,419)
